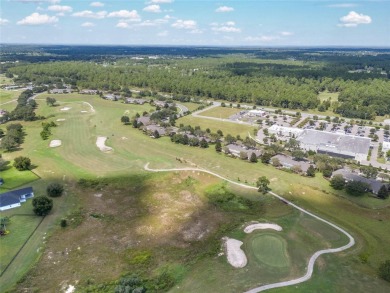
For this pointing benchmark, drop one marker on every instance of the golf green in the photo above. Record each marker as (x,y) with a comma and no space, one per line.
(270,250)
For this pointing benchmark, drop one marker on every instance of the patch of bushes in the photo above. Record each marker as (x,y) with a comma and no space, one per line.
(92,183)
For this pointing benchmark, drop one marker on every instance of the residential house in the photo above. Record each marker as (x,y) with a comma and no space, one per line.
(288,162)
(236,150)
(14,198)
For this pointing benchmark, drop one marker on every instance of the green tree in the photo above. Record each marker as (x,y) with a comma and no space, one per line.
(22,163)
(369,171)
(54,189)
(4,221)
(218,146)
(298,154)
(125,119)
(383,192)
(203,143)
(311,171)
(42,205)
(337,182)
(243,155)
(3,164)
(384,270)
(262,184)
(50,101)
(253,158)
(266,158)
(357,187)
(156,134)
(135,123)
(8,143)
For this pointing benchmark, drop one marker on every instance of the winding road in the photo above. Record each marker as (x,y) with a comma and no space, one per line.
(313,258)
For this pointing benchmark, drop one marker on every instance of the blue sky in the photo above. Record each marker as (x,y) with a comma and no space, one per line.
(202,22)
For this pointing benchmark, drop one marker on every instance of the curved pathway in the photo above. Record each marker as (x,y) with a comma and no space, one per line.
(313,258)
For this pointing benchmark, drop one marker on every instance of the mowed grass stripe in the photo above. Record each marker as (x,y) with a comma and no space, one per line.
(270,250)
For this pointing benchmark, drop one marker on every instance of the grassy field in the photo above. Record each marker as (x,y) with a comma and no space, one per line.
(324,96)
(22,224)
(220,112)
(226,127)
(8,99)
(269,249)
(14,178)
(136,202)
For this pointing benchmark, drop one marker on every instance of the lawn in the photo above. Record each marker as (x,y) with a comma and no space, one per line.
(220,112)
(324,96)
(270,250)
(22,224)
(7,99)
(79,157)
(226,127)
(14,178)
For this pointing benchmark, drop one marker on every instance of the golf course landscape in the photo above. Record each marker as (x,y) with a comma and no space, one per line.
(167,227)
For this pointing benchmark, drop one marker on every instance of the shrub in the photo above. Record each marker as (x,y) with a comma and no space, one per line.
(54,189)
(22,163)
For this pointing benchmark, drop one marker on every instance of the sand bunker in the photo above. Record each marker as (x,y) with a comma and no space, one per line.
(235,255)
(261,226)
(100,143)
(55,143)
(84,111)
(65,109)
(61,119)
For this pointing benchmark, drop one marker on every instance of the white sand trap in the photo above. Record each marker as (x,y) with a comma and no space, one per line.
(55,143)
(100,143)
(262,226)
(84,111)
(235,255)
(124,138)
(70,289)
(61,119)
(92,109)
(65,109)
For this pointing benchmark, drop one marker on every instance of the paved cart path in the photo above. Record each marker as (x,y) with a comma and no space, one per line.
(313,258)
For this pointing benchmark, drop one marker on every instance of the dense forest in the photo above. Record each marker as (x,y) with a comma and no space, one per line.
(292,82)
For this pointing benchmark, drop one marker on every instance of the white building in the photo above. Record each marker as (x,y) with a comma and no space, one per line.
(285,131)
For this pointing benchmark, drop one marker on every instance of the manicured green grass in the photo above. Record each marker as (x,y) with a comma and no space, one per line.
(269,249)
(226,127)
(14,178)
(22,224)
(7,97)
(191,106)
(220,112)
(324,96)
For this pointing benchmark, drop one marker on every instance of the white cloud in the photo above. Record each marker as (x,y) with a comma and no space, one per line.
(122,25)
(40,1)
(224,9)
(353,19)
(152,8)
(90,14)
(342,5)
(286,34)
(161,1)
(227,27)
(37,19)
(262,39)
(126,15)
(3,21)
(96,4)
(60,8)
(88,24)
(185,24)
(60,14)
(196,31)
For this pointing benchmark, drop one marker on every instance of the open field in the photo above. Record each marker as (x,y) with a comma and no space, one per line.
(220,112)
(5,80)
(22,224)
(227,128)
(134,201)
(7,99)
(14,178)
(324,96)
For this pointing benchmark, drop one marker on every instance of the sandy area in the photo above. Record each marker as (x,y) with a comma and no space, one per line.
(235,255)
(55,143)
(100,143)
(261,226)
(70,289)
(65,109)
(84,111)
(61,119)
(92,108)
